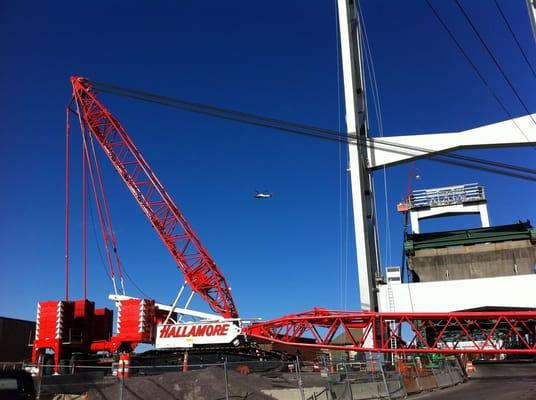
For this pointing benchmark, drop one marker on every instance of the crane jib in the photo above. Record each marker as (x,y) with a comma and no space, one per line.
(199,269)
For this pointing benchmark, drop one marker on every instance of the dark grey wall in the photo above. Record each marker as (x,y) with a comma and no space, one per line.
(14,337)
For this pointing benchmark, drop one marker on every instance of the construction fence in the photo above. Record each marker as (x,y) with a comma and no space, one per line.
(375,378)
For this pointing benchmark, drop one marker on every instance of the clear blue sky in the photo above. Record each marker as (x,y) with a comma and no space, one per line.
(276,59)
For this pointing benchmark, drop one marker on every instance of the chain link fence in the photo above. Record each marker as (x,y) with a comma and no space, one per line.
(374,377)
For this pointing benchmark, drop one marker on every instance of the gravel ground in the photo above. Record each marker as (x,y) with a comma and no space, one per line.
(206,384)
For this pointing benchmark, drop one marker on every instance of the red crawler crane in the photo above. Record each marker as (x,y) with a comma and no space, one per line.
(64,326)
(69,326)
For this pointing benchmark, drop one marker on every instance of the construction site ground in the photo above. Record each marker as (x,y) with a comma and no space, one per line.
(504,381)
(209,383)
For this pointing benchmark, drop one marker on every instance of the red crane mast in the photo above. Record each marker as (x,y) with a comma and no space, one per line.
(199,269)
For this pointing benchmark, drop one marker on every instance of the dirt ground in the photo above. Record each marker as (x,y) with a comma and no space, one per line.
(205,384)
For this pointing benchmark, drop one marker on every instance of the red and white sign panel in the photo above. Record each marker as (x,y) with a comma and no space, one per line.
(186,335)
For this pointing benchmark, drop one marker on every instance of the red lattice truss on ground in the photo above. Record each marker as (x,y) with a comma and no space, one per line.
(508,332)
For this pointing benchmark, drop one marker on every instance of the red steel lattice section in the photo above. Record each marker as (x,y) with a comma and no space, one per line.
(198,267)
(511,332)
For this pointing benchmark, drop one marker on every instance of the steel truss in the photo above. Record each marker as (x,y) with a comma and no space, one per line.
(509,332)
(198,267)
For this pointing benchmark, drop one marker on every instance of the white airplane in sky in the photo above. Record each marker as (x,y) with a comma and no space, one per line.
(263,195)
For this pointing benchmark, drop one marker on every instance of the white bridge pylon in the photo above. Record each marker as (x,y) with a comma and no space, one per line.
(391,150)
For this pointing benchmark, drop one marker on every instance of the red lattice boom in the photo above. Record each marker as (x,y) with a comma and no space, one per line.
(198,267)
(508,332)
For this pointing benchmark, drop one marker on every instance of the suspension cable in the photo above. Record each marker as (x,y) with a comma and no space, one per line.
(379,119)
(319,133)
(495,61)
(475,68)
(515,38)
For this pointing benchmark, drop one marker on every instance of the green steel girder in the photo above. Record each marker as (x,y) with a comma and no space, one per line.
(467,237)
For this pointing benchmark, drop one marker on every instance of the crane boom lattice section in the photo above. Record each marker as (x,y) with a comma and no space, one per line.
(496,332)
(198,267)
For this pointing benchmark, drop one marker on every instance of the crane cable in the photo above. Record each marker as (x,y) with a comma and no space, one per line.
(101,256)
(67,205)
(108,220)
(99,210)
(319,133)
(121,267)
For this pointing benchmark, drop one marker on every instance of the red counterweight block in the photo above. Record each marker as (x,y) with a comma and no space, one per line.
(49,321)
(103,324)
(67,326)
(52,321)
(80,329)
(136,319)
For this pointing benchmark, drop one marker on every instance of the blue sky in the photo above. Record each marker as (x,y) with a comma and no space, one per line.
(280,60)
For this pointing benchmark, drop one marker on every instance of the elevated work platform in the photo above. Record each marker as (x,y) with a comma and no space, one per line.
(446,201)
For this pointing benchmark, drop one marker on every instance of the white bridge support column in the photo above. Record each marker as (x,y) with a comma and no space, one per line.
(531,5)
(360,176)
(484,217)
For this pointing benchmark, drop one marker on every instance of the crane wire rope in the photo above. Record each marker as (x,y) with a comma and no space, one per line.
(67,209)
(91,213)
(105,234)
(475,68)
(95,237)
(514,36)
(99,209)
(320,133)
(108,218)
(101,256)
(84,224)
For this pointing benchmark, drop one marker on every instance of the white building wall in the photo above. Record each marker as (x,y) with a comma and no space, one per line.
(456,295)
